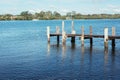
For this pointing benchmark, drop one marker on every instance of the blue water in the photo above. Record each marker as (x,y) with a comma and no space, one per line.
(26,55)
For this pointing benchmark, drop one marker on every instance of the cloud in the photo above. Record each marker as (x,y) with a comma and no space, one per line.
(111,9)
(62,6)
(9,2)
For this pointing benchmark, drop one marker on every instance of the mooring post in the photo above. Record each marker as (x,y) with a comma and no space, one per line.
(63,34)
(106,37)
(113,34)
(73,32)
(57,32)
(63,26)
(64,37)
(48,33)
(91,39)
(72,27)
(82,36)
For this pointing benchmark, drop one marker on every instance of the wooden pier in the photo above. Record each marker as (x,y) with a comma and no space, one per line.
(82,36)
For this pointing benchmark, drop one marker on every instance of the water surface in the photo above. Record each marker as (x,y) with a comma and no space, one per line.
(26,55)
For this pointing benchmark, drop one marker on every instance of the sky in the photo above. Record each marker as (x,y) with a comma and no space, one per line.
(62,6)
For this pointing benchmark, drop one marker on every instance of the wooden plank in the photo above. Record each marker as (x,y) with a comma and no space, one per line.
(87,35)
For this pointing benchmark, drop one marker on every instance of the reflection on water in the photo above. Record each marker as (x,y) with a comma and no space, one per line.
(106,55)
(91,48)
(73,45)
(48,49)
(25,54)
(63,52)
(82,54)
(88,61)
(82,50)
(113,52)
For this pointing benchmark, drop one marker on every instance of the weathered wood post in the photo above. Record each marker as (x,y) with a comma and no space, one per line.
(63,34)
(72,27)
(91,39)
(48,34)
(82,36)
(63,26)
(73,32)
(113,34)
(57,32)
(106,37)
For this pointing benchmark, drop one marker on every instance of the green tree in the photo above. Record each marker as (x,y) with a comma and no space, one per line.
(26,15)
(56,15)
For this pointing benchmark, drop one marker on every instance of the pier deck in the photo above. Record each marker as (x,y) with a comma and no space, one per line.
(87,36)
(82,36)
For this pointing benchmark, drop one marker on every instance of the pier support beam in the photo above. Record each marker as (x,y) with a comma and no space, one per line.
(58,39)
(113,34)
(91,39)
(82,36)
(73,40)
(106,37)
(48,34)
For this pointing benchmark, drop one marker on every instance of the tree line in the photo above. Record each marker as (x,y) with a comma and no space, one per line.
(49,15)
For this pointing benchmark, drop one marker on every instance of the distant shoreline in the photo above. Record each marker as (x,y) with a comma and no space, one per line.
(61,19)
(49,15)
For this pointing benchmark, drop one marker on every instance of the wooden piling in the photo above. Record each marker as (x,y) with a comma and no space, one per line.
(63,34)
(73,40)
(58,39)
(62,26)
(91,39)
(106,37)
(64,37)
(113,34)
(72,27)
(48,33)
(82,36)
(73,32)
(57,32)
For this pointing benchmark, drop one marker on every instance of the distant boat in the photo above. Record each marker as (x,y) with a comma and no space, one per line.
(35,19)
